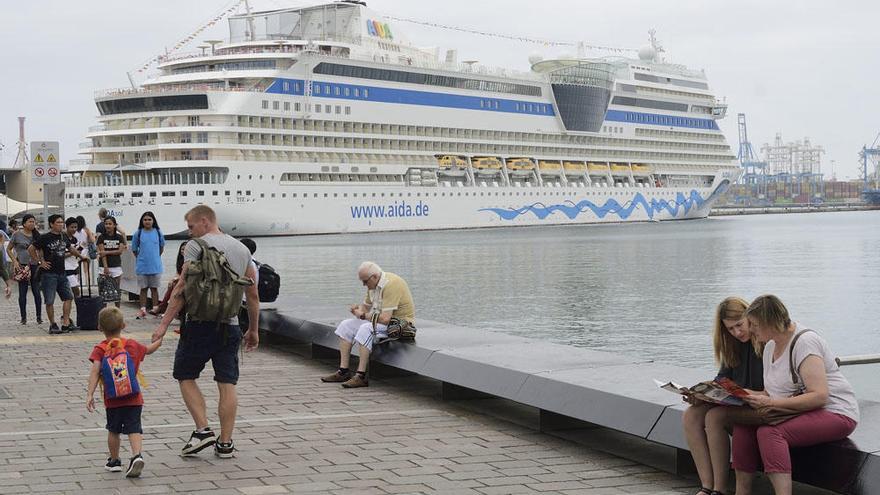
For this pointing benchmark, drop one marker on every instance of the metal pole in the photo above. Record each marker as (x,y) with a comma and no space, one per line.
(865,359)
(45,207)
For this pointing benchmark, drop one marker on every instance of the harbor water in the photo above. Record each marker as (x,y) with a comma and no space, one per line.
(645,290)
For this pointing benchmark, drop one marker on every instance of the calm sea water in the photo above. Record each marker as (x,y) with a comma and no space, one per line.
(645,290)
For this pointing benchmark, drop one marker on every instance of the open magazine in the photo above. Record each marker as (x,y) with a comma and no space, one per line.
(719,391)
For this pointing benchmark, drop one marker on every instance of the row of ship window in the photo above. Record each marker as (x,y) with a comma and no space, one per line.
(166,194)
(243,65)
(326,89)
(297,107)
(667,120)
(366,127)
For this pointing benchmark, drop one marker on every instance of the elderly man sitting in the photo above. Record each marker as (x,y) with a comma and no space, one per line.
(388,297)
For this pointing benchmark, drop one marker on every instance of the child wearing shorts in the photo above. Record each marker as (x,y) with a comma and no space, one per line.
(123,412)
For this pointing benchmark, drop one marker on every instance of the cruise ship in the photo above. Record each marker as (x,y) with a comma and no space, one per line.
(325,119)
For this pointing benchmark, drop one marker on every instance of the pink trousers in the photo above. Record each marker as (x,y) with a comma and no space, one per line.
(769,444)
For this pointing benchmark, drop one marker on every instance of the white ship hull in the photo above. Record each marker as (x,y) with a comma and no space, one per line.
(354,210)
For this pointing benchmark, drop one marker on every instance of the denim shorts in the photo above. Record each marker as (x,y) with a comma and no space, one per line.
(125,420)
(203,341)
(55,282)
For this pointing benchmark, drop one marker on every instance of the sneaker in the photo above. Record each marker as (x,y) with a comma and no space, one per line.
(53,329)
(198,442)
(357,381)
(23,321)
(224,450)
(141,314)
(135,467)
(113,465)
(339,376)
(39,321)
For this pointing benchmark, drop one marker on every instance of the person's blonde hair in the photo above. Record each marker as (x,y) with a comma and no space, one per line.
(111,320)
(768,310)
(201,211)
(726,345)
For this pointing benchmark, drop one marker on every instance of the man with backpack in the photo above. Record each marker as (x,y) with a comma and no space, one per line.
(216,273)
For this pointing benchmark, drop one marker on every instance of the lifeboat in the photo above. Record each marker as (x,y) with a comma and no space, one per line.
(549,166)
(574,168)
(486,165)
(619,169)
(520,166)
(452,165)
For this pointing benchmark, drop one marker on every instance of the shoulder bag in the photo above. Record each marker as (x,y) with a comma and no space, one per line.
(746,415)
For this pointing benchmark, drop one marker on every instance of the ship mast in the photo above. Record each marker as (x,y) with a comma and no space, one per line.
(250,20)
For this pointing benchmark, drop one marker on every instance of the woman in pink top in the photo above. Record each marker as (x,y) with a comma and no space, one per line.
(819,391)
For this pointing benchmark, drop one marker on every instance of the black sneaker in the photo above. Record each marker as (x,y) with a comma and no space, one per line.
(135,467)
(53,329)
(39,321)
(198,442)
(113,465)
(65,328)
(72,327)
(224,450)
(23,321)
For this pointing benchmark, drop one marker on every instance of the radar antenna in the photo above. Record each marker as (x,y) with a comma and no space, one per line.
(655,44)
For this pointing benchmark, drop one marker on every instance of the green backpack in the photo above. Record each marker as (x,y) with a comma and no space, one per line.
(213,290)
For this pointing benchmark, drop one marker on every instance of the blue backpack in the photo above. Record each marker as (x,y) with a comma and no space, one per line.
(118,371)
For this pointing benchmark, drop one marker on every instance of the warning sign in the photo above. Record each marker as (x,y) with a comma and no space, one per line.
(44,162)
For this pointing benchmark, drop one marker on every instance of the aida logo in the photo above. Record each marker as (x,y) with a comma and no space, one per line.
(380,29)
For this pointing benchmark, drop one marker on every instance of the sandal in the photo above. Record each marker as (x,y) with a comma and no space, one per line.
(704,490)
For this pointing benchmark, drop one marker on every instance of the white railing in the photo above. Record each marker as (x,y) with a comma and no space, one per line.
(113,92)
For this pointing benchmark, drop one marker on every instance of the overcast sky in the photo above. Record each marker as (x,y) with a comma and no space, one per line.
(805,69)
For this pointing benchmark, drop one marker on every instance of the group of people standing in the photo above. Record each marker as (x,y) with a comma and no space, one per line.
(797,396)
(60,261)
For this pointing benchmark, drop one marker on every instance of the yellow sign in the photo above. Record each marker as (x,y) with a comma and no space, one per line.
(38,159)
(51,158)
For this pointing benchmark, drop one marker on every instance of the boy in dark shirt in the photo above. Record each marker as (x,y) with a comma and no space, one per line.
(48,251)
(123,413)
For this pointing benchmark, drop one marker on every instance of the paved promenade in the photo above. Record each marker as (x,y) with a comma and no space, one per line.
(294,433)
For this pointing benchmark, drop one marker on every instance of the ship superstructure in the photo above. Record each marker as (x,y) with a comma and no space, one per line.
(323,119)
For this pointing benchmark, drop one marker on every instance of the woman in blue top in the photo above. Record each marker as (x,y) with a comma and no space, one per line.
(147,244)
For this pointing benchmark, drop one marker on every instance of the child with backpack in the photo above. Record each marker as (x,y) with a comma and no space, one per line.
(115,364)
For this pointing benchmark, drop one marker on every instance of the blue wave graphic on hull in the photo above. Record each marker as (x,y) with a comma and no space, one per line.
(623,211)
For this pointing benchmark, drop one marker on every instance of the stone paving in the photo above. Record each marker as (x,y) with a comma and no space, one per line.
(294,434)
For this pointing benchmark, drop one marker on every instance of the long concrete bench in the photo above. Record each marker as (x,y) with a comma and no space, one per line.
(562,382)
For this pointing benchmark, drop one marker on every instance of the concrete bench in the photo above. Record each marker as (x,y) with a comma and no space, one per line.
(567,383)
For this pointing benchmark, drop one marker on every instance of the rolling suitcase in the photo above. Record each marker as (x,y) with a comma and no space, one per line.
(87,307)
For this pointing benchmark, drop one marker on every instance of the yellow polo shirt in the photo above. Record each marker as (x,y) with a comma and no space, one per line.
(392,294)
